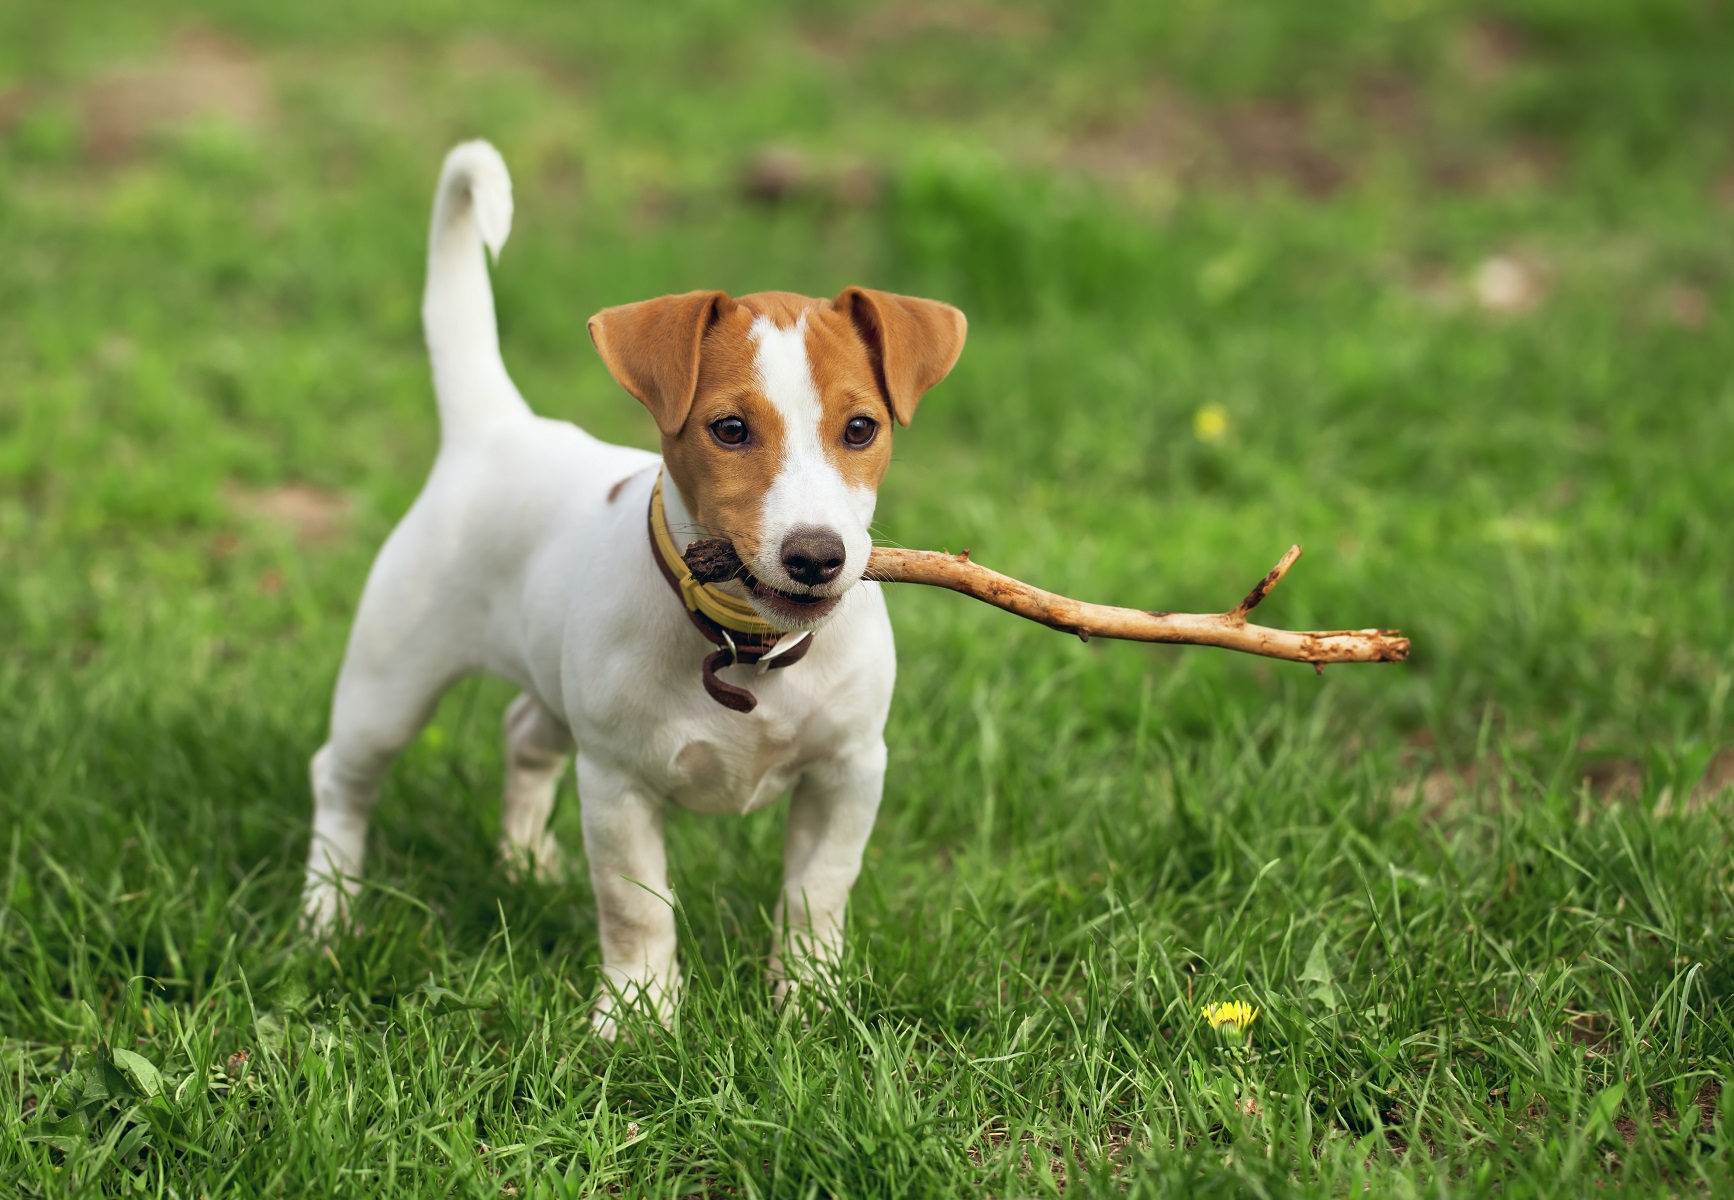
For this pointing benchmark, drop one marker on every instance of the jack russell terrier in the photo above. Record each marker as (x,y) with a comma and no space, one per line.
(537,553)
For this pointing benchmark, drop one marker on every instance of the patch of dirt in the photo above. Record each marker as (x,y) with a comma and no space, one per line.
(313,514)
(908,20)
(14,103)
(1686,306)
(204,75)
(1718,781)
(1488,50)
(1162,139)
(479,54)
(1175,138)
(1513,165)
(1437,791)
(1589,1030)
(776,174)
(1708,1095)
(482,56)
(1614,780)
(1445,788)
(1503,284)
(1390,102)
(1718,776)
(1275,141)
(1115,1141)
(1663,1118)
(1316,148)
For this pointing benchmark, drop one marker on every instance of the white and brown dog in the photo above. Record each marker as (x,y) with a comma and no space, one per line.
(538,553)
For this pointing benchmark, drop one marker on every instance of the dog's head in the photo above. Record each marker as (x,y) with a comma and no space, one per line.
(776,413)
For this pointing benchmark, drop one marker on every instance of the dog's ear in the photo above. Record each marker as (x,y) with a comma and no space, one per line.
(912,343)
(651,348)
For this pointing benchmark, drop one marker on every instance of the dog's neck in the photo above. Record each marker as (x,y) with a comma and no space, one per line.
(681,525)
(684,528)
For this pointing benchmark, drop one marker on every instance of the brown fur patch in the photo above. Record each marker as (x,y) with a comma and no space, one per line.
(783,308)
(724,486)
(848,388)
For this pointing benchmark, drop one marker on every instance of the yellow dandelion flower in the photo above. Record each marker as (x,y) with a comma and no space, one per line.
(1210,423)
(1232,1017)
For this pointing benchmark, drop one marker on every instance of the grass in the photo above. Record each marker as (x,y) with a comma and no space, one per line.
(1483,901)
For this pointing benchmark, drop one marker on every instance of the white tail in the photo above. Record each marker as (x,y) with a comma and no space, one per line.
(472,209)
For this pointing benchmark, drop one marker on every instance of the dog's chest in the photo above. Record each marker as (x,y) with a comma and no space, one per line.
(737,772)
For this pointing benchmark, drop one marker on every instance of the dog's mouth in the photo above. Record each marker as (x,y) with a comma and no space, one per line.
(801,608)
(713,560)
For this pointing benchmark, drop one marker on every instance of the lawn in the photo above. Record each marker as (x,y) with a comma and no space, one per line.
(1442,290)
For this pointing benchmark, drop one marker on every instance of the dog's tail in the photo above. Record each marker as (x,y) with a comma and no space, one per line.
(472,209)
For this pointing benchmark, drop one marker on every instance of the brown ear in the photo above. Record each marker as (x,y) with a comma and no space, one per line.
(913,343)
(651,349)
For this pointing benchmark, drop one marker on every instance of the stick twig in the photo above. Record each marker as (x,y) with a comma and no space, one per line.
(1229,630)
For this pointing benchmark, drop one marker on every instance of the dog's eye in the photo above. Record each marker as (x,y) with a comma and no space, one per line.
(860,431)
(730,431)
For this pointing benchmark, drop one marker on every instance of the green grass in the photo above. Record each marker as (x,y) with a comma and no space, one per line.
(1483,900)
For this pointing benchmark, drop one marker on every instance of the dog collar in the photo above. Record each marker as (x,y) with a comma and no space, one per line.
(730,624)
(731,612)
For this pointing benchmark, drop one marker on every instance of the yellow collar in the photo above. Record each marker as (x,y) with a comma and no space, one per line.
(731,612)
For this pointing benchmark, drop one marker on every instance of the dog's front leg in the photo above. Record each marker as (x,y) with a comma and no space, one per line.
(634,906)
(830,819)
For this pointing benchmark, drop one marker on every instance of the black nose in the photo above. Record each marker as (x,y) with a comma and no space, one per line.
(812,555)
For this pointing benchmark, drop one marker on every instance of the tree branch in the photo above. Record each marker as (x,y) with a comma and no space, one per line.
(1230,630)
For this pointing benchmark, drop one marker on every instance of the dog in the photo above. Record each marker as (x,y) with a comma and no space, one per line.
(543,555)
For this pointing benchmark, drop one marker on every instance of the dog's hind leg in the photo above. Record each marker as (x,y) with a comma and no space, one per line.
(538,746)
(386,691)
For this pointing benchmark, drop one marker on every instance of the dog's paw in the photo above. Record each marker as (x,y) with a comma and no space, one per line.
(656,998)
(604,1024)
(327,911)
(805,994)
(542,860)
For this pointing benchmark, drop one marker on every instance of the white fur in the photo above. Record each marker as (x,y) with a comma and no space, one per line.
(515,561)
(472,209)
(808,490)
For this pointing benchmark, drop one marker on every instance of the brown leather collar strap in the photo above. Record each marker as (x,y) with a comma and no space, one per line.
(743,648)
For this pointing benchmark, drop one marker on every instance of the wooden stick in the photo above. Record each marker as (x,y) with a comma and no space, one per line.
(1230,630)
